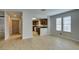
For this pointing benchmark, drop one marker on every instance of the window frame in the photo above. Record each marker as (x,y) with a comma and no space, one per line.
(66,24)
(59,24)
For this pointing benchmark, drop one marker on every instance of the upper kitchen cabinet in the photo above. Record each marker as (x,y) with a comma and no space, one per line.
(43,21)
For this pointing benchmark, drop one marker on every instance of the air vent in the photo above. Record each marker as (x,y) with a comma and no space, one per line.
(43,9)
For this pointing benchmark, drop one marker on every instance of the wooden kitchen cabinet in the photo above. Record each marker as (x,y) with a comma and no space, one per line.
(40,24)
(43,21)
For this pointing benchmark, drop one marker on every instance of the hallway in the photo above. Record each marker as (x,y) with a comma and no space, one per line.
(39,43)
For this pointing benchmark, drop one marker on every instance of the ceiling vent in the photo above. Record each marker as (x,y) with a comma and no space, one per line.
(43,9)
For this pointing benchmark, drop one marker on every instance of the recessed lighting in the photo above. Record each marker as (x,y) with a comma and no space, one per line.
(15,15)
(34,18)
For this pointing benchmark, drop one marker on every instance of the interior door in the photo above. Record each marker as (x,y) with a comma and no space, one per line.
(15,26)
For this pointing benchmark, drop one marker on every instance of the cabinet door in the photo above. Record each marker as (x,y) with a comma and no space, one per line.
(43,31)
(43,21)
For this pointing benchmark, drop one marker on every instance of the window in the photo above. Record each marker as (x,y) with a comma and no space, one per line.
(58,24)
(67,24)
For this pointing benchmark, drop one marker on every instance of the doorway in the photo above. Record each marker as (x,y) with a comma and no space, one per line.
(15,25)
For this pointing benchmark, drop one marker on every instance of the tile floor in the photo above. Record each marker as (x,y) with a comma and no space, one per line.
(35,34)
(39,43)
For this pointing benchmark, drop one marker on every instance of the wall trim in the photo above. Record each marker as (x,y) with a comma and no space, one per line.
(76,40)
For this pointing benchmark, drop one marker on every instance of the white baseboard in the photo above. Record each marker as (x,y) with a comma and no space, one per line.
(64,37)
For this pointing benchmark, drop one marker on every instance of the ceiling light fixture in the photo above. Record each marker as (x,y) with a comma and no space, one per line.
(34,18)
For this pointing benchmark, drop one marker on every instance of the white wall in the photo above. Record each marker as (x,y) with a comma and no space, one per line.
(49,32)
(6,26)
(27,25)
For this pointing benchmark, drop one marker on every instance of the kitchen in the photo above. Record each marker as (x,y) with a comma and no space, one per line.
(40,26)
